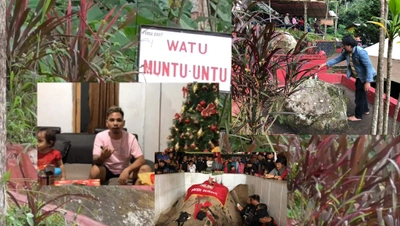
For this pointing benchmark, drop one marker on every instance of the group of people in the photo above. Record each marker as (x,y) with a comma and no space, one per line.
(113,150)
(298,23)
(265,164)
(170,162)
(255,213)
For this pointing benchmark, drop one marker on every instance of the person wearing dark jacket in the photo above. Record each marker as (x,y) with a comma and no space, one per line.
(360,67)
(265,219)
(269,162)
(261,208)
(246,211)
(201,164)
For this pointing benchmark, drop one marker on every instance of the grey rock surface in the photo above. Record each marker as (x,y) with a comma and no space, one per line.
(317,108)
(115,205)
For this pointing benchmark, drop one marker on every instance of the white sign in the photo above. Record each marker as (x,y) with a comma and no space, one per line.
(176,56)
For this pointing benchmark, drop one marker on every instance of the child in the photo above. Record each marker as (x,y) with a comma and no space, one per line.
(192,167)
(233,169)
(46,139)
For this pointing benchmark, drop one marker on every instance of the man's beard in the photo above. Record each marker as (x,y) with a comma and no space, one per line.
(115,130)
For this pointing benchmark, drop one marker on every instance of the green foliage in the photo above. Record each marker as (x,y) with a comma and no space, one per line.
(248,143)
(178,14)
(360,11)
(32,213)
(256,91)
(394,7)
(76,41)
(22,217)
(332,179)
(392,28)
(196,128)
(310,37)
(225,111)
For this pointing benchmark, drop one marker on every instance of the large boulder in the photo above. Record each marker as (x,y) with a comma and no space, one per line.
(285,41)
(317,108)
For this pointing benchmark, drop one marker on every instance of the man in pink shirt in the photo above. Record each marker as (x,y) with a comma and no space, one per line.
(113,150)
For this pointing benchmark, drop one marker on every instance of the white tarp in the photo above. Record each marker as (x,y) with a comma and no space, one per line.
(374,49)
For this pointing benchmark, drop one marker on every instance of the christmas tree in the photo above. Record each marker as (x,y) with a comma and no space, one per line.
(196,127)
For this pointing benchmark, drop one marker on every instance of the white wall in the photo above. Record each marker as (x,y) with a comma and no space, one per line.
(170,187)
(55,102)
(149,110)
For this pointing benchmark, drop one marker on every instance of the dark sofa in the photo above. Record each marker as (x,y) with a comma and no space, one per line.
(76,149)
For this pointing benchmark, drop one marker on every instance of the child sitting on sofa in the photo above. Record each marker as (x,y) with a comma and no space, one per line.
(46,139)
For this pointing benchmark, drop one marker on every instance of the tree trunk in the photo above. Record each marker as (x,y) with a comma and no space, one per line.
(388,86)
(396,113)
(3,132)
(377,121)
(326,19)
(305,17)
(385,114)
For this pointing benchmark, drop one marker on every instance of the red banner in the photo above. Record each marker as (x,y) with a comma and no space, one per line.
(218,191)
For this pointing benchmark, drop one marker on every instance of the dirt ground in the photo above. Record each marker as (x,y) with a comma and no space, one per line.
(354,128)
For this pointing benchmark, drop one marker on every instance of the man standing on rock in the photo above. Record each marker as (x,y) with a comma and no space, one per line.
(359,66)
(113,150)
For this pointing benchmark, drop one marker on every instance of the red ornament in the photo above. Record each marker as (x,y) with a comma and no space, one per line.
(203,103)
(192,145)
(187,121)
(206,150)
(188,102)
(204,87)
(186,147)
(213,127)
(208,111)
(185,91)
(171,149)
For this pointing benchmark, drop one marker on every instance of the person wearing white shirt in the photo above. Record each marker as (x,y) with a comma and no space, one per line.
(286,20)
(191,167)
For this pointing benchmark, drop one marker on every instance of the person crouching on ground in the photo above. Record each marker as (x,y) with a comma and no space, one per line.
(113,150)
(359,66)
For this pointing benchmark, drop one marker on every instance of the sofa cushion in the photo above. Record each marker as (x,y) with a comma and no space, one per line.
(63,146)
(81,150)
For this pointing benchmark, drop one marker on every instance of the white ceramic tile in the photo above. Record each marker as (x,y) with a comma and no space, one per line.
(181,181)
(188,178)
(240,179)
(228,180)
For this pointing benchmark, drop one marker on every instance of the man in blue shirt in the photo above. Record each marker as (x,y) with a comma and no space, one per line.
(359,66)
